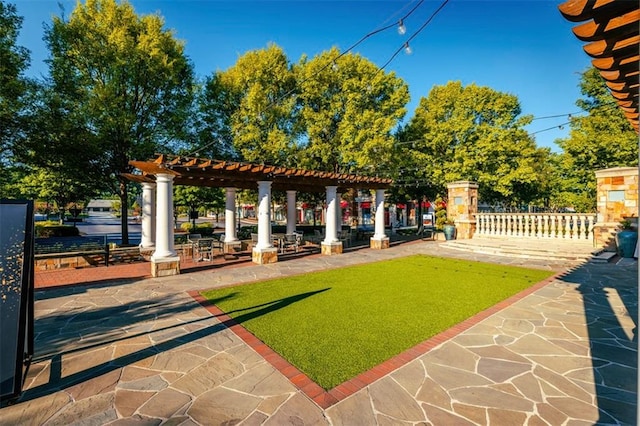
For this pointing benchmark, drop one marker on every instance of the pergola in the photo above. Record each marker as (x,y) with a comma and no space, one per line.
(219,173)
(611,30)
(158,176)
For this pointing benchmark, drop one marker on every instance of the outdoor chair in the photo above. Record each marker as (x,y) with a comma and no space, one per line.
(192,240)
(218,241)
(204,248)
(291,240)
(318,236)
(345,237)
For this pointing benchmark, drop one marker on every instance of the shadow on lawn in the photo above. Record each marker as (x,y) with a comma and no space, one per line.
(266,308)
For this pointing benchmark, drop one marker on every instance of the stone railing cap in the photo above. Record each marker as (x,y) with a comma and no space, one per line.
(617,171)
(462,183)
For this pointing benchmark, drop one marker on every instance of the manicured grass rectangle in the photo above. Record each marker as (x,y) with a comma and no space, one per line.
(336,324)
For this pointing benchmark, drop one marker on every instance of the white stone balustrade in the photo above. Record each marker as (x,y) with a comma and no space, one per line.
(567,226)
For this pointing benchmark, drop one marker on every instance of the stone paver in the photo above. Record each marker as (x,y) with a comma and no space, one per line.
(143,351)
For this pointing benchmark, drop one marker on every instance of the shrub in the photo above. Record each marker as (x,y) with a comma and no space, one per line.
(201,228)
(50,228)
(441,213)
(246,231)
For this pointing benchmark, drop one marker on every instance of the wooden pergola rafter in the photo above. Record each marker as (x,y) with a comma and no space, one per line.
(219,173)
(611,30)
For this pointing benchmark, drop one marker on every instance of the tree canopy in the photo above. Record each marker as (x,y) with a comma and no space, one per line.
(349,110)
(601,139)
(127,77)
(14,60)
(472,133)
(264,122)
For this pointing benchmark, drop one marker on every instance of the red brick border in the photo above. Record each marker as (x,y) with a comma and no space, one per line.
(326,399)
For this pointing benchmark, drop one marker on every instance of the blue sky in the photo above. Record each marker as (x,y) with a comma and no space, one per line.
(525,48)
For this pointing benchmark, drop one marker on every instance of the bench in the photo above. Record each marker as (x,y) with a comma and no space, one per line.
(62,247)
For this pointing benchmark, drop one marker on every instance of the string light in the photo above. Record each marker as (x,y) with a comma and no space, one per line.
(407,49)
(401,28)
(414,35)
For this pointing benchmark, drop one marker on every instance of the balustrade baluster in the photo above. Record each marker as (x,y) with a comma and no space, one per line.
(580,226)
(545,226)
(567,226)
(520,225)
(590,227)
(553,230)
(538,226)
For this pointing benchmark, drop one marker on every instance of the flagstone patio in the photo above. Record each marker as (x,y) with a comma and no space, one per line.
(142,350)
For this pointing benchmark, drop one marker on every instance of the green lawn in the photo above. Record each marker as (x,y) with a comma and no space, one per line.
(338,323)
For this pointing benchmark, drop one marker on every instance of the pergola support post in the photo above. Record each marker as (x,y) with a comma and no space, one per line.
(148,236)
(331,245)
(264,252)
(231,242)
(291,212)
(379,239)
(164,261)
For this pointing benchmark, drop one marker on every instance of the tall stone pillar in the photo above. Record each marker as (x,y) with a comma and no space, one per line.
(379,239)
(291,212)
(462,207)
(331,244)
(231,242)
(164,260)
(617,200)
(148,215)
(264,252)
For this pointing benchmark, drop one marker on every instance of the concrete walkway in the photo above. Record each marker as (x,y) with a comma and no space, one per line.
(143,351)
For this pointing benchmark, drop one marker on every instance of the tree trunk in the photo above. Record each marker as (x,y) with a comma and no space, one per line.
(124,209)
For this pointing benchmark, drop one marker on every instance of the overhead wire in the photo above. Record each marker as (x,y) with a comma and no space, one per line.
(414,35)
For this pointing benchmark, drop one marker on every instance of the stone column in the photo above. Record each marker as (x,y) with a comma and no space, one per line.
(264,252)
(331,244)
(617,199)
(291,212)
(462,207)
(148,215)
(379,239)
(231,242)
(164,260)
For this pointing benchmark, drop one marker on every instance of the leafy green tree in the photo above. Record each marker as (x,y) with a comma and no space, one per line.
(197,197)
(602,139)
(349,109)
(14,60)
(212,118)
(14,90)
(474,133)
(263,123)
(129,79)
(51,186)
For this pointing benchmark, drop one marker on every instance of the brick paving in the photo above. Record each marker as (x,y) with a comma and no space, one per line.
(119,347)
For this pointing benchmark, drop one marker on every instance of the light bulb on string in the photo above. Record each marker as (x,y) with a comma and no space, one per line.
(407,49)
(401,28)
